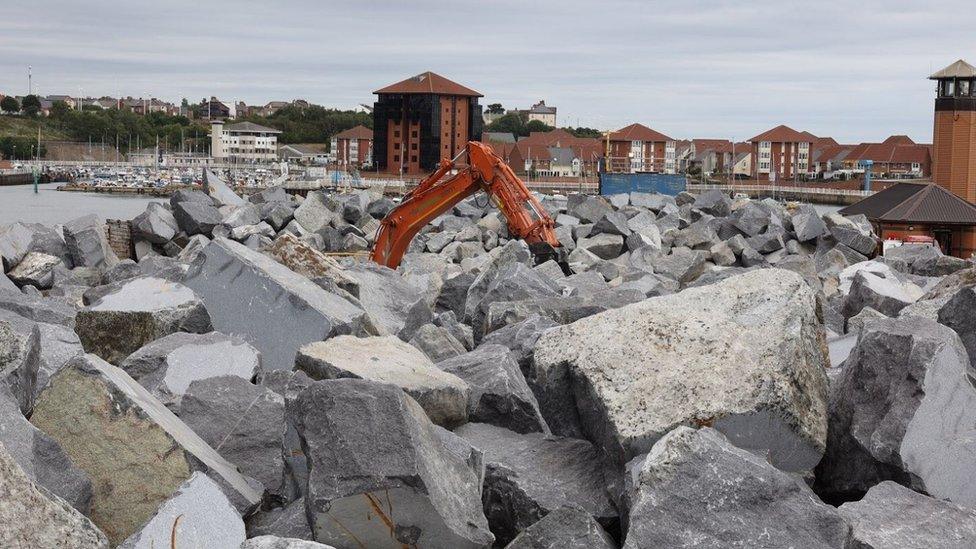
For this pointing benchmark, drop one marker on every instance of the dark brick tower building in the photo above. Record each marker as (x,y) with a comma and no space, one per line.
(954,138)
(421,120)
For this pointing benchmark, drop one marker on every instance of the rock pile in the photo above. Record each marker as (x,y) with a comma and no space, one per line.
(698,372)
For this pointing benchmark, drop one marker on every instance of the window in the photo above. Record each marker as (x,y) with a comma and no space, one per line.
(413,134)
(413,158)
(396,146)
(396,133)
(963,88)
(396,158)
(413,146)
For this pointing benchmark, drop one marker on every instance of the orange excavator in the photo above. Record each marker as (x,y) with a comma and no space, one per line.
(435,195)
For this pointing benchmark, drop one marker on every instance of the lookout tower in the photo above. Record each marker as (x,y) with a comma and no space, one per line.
(954,138)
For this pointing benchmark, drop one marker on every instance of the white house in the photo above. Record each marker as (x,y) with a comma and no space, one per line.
(243,142)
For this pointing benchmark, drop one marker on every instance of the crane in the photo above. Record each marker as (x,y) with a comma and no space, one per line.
(485,171)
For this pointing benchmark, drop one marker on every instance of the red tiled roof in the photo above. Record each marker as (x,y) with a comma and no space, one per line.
(899,140)
(915,203)
(358,132)
(429,82)
(717,145)
(783,134)
(638,132)
(892,153)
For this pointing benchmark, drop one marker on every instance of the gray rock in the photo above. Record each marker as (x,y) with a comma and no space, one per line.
(566,527)
(36,269)
(289,384)
(198,514)
(513,282)
(317,211)
(590,209)
(395,306)
(277,214)
(293,310)
(87,243)
(40,457)
(287,522)
(746,355)
(885,295)
(219,190)
(652,201)
(751,219)
(123,270)
(135,450)
(900,410)
(20,358)
(190,195)
(857,322)
(241,421)
(807,224)
(959,313)
(19,239)
(274,542)
(699,233)
(372,450)
(529,475)
(59,344)
(38,309)
(721,254)
(521,337)
(137,312)
(443,396)
(32,517)
(894,516)
(602,245)
(715,202)
(562,310)
(611,223)
(270,195)
(681,265)
(437,343)
(244,233)
(696,489)
(243,216)
(380,207)
(499,394)
(196,217)
(156,225)
(855,238)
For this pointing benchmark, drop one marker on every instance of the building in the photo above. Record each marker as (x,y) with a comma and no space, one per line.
(954,136)
(541,112)
(353,147)
(897,156)
(921,209)
(306,153)
(781,154)
(243,142)
(214,109)
(534,154)
(637,148)
(420,120)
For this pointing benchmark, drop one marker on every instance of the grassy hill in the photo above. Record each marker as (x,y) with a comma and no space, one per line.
(15,126)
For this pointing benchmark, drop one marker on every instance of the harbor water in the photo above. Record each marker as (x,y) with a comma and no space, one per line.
(50,207)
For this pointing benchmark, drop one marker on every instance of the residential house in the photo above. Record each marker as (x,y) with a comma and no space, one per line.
(308,153)
(541,112)
(532,154)
(781,154)
(353,147)
(637,148)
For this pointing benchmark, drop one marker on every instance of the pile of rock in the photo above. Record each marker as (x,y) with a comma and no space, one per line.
(701,372)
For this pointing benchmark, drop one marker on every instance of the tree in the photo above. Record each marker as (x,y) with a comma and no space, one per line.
(59,110)
(537,126)
(31,105)
(513,123)
(584,132)
(10,105)
(496,108)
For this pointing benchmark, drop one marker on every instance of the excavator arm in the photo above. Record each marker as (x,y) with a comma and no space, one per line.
(435,195)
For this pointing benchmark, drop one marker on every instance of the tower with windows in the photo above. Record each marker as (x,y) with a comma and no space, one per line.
(954,137)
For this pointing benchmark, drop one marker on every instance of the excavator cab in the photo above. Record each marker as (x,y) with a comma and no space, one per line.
(485,171)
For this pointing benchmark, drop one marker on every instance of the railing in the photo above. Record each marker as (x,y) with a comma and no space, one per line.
(779,189)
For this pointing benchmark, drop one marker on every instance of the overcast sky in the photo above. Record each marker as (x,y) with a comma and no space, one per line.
(852,70)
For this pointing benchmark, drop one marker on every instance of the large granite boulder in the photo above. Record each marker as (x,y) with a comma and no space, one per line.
(696,489)
(807,224)
(87,243)
(317,211)
(197,514)
(566,528)
(442,395)
(33,517)
(437,342)
(19,239)
(137,311)
(135,450)
(195,217)
(267,304)
(681,265)
(305,260)
(396,306)
(745,355)
(242,421)
(715,203)
(564,310)
(499,394)
(372,453)
(885,295)
(219,190)
(168,365)
(156,225)
(20,358)
(40,457)
(959,313)
(890,515)
(275,542)
(902,409)
(529,475)
(36,269)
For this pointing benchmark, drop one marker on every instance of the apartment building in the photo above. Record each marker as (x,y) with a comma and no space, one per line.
(420,120)
(637,148)
(556,152)
(781,154)
(353,147)
(243,142)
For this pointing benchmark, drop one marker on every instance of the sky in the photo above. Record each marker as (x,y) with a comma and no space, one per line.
(855,71)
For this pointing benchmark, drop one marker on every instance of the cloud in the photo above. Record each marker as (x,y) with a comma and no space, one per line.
(706,68)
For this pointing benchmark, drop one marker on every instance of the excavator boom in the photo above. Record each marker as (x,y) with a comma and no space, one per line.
(437,194)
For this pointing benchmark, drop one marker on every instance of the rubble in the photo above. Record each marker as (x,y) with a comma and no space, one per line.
(567,527)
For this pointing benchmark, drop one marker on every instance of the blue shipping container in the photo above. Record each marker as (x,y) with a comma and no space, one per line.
(619,183)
